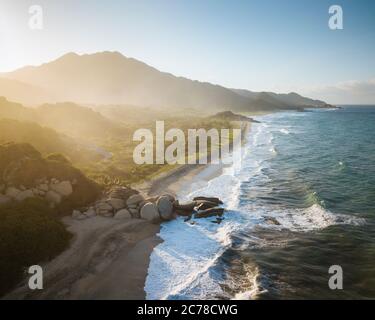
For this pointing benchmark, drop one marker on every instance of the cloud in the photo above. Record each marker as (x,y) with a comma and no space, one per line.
(348,92)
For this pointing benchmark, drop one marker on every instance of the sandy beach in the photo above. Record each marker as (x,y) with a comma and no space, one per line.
(108,258)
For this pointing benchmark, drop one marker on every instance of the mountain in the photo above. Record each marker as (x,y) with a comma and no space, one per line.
(67,118)
(111,78)
(21,92)
(283,100)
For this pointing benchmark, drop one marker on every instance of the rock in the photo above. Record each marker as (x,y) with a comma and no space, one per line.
(4,199)
(217,211)
(77,215)
(211,199)
(271,220)
(204,204)
(43,187)
(12,192)
(188,206)
(107,214)
(24,195)
(150,212)
(165,208)
(122,193)
(133,206)
(134,213)
(90,212)
(64,188)
(135,199)
(104,206)
(170,197)
(2,187)
(117,204)
(53,197)
(184,213)
(123,214)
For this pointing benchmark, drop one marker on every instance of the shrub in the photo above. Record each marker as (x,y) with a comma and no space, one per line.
(30,233)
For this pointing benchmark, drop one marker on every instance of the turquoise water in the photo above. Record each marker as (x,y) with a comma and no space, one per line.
(302,200)
(324,163)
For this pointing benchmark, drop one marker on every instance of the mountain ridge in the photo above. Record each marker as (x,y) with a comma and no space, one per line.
(111,78)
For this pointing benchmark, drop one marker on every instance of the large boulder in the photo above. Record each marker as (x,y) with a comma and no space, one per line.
(150,212)
(24,195)
(122,214)
(64,188)
(217,211)
(187,206)
(165,207)
(204,204)
(117,204)
(135,199)
(53,197)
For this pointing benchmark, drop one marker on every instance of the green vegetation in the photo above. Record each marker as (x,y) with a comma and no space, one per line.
(30,233)
(22,164)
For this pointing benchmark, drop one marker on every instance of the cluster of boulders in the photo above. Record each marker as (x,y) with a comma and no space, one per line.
(52,190)
(125,203)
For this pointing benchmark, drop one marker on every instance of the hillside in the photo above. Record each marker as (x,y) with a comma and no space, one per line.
(111,78)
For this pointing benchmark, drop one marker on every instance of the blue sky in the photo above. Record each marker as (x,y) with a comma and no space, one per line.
(280,45)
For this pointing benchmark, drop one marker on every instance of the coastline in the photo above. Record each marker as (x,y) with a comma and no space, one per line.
(102,248)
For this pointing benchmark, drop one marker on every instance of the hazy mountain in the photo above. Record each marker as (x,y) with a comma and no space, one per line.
(111,78)
(24,93)
(67,118)
(282,100)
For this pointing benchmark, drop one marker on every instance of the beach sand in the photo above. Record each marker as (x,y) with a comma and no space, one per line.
(109,258)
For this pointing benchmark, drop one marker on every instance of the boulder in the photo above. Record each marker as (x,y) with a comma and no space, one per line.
(24,195)
(53,197)
(43,187)
(188,206)
(123,214)
(117,204)
(170,197)
(165,207)
(211,199)
(103,206)
(90,212)
(217,211)
(272,221)
(12,192)
(78,215)
(150,212)
(122,193)
(63,188)
(204,204)
(135,199)
(133,206)
(4,199)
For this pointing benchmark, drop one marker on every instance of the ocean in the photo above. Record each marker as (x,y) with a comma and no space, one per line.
(302,201)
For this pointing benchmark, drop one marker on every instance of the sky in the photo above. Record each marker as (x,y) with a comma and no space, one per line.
(265,45)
